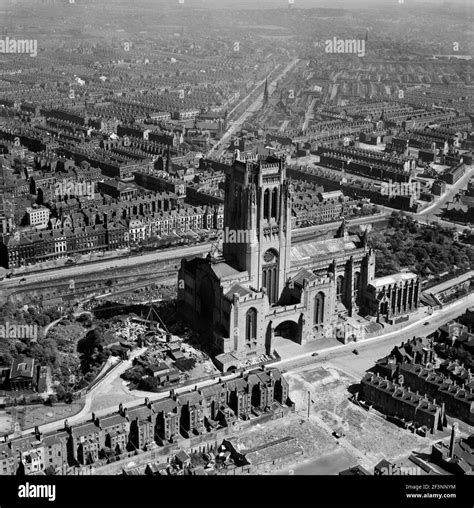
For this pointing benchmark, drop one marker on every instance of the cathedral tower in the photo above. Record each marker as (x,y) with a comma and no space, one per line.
(257,222)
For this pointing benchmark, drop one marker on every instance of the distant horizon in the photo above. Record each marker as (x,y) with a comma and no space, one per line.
(252,4)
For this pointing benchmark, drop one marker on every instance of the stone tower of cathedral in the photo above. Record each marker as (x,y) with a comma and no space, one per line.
(257,223)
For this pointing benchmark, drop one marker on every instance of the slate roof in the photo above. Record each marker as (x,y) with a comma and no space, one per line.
(22,367)
(224,270)
(237,289)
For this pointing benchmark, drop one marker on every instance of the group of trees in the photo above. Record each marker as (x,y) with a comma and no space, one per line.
(425,250)
(93,351)
(149,384)
(134,375)
(74,354)
(27,315)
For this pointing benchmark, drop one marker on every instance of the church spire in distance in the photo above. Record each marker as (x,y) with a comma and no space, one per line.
(265,93)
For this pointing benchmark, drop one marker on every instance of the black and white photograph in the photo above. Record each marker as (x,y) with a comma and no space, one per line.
(236,253)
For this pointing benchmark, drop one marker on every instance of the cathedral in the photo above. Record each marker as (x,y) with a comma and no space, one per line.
(262,287)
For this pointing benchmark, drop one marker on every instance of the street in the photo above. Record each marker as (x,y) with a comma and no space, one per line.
(219,147)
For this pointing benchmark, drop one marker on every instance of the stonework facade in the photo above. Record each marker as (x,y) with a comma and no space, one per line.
(263,286)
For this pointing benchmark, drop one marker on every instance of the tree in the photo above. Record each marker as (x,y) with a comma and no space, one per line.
(42,320)
(50,471)
(148,384)
(52,399)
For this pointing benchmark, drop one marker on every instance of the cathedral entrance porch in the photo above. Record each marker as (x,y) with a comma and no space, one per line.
(284,335)
(288,330)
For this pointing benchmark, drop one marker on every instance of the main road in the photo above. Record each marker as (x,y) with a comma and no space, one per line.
(219,147)
(451,191)
(429,213)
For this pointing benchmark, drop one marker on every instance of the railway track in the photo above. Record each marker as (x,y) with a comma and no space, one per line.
(124,284)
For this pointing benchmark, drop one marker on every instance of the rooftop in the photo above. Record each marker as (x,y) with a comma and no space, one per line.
(323,248)
(393,279)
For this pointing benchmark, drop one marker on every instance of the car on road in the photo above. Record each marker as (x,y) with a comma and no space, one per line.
(338,434)
(427,323)
(355,351)
(315,354)
(23,280)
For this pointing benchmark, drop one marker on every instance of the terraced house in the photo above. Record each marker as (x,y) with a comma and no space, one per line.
(249,398)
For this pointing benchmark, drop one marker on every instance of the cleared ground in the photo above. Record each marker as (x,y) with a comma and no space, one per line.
(29,416)
(368,437)
(6,422)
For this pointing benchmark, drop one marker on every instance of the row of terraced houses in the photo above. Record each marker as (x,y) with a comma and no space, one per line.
(101,440)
